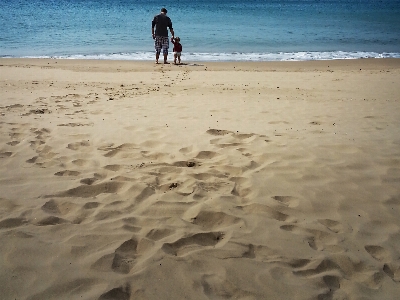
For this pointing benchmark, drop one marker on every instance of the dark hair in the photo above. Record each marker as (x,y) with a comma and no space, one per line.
(164,10)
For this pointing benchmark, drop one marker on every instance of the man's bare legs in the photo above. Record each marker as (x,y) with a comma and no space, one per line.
(165,58)
(157,57)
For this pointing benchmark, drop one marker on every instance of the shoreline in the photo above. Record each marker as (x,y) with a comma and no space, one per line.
(224,56)
(347,64)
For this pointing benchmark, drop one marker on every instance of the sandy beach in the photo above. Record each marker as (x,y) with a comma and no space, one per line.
(239,180)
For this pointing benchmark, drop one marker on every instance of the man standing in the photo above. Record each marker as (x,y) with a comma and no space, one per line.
(161,23)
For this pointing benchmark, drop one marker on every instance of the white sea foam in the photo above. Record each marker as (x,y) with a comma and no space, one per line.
(279,56)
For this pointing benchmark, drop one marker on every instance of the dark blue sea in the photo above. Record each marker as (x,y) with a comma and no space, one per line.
(223,30)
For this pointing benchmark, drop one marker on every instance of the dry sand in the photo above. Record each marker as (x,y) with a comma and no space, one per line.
(130,180)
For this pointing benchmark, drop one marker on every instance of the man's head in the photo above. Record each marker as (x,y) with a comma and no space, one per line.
(164,10)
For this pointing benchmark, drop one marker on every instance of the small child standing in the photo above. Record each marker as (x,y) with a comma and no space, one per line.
(177,49)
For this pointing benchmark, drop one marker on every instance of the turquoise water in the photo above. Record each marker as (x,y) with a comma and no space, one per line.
(209,30)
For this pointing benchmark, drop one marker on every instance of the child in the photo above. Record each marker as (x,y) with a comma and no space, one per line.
(177,49)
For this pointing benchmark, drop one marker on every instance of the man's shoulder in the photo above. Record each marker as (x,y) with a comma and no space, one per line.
(163,16)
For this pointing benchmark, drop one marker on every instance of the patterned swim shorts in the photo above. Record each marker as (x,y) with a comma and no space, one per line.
(161,43)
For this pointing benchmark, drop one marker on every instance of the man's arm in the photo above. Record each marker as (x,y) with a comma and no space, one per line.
(153,24)
(170,27)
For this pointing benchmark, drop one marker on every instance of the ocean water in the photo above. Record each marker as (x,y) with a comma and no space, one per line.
(224,30)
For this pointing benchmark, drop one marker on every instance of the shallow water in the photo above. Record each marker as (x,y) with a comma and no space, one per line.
(209,30)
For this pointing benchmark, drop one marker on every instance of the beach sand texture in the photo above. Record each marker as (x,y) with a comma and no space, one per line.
(267,180)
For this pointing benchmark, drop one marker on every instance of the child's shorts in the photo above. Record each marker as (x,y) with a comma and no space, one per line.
(178,54)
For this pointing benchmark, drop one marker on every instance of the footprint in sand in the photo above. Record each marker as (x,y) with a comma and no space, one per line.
(107,215)
(257,208)
(258,252)
(13,143)
(186,150)
(112,151)
(157,234)
(333,282)
(317,239)
(217,287)
(288,201)
(210,220)
(218,132)
(243,136)
(41,133)
(226,145)
(78,145)
(5,154)
(114,168)
(232,140)
(67,173)
(79,162)
(125,256)
(32,160)
(87,191)
(121,261)
(241,190)
(52,220)
(192,243)
(206,155)
(36,144)
(16,135)
(393,271)
(45,151)
(334,292)
(377,252)
(332,225)
(120,293)
(91,205)
(89,181)
(12,223)
(59,207)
